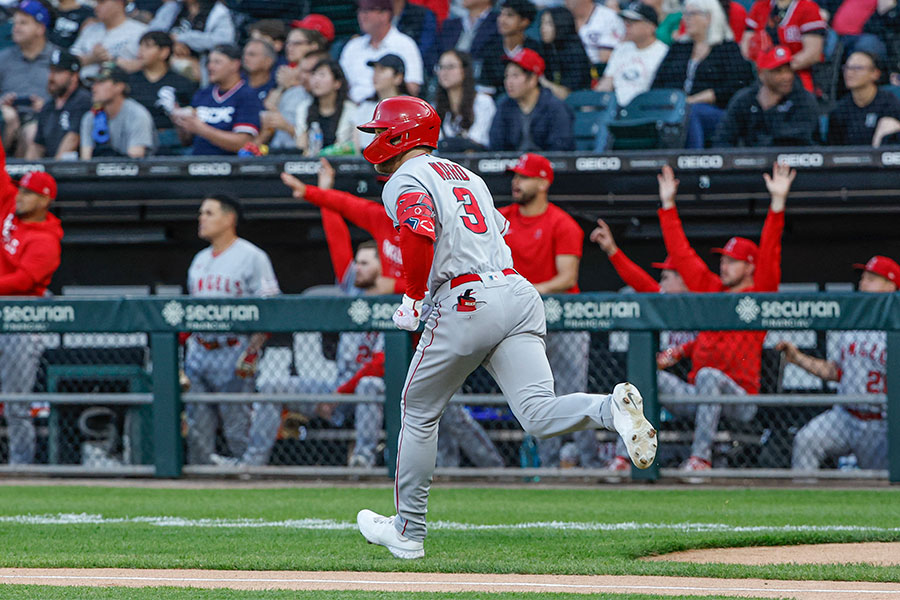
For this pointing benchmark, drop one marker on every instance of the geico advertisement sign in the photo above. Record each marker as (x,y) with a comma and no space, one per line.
(701,161)
(297,167)
(598,163)
(117,170)
(811,159)
(211,169)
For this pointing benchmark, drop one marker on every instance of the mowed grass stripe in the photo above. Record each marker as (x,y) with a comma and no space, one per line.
(792,515)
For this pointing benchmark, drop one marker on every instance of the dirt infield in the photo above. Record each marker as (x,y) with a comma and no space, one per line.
(450,582)
(883,554)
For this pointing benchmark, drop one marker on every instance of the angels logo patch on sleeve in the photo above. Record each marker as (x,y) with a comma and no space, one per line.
(416,211)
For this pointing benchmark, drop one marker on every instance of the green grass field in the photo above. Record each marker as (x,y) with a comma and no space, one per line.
(574,531)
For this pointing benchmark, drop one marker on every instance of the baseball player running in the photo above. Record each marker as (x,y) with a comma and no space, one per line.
(451,239)
(29,256)
(230,267)
(859,368)
(546,246)
(459,431)
(724,362)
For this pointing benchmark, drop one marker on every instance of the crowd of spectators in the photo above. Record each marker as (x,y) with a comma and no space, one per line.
(751,73)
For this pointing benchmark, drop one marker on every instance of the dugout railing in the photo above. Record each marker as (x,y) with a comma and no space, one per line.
(138,385)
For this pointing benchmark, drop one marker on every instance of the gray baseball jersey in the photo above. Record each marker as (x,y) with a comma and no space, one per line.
(468,230)
(242,269)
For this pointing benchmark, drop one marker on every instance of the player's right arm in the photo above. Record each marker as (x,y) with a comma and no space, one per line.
(630,273)
(693,270)
(827,370)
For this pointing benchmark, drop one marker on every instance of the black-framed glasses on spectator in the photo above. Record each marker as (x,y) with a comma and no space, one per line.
(299,43)
(856,68)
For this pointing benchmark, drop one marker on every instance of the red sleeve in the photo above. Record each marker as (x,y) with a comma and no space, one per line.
(340,248)
(737,19)
(359,211)
(418,254)
(373,368)
(809,18)
(568,237)
(697,276)
(768,270)
(8,189)
(40,259)
(687,349)
(632,274)
(759,14)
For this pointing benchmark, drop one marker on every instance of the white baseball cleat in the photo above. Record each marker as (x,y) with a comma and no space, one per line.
(380,530)
(636,431)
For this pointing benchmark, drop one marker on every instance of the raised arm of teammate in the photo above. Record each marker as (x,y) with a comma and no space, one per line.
(768,272)
(696,274)
(630,273)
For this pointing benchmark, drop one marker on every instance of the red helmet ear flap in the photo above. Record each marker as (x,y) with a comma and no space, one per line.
(408,122)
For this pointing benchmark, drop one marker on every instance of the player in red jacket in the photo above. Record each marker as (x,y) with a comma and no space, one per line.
(29,256)
(676,344)
(724,362)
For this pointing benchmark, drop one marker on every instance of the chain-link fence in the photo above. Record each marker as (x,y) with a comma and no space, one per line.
(806,401)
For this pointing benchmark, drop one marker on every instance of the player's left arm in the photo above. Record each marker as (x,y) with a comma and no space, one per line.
(768,270)
(262,283)
(566,275)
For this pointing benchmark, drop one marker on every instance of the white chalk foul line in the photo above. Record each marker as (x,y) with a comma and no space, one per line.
(493,584)
(334,525)
(331,524)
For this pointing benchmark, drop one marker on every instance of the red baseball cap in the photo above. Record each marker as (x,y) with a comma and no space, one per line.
(533,165)
(39,182)
(882,265)
(529,60)
(739,248)
(316,22)
(774,58)
(666,265)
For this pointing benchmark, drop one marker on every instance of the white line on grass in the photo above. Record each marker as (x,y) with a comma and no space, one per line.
(333,525)
(768,588)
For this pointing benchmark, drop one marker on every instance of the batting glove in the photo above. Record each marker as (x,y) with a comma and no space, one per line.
(246,364)
(408,314)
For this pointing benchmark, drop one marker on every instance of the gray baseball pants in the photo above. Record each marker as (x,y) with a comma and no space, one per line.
(213,371)
(505,334)
(20,356)
(838,433)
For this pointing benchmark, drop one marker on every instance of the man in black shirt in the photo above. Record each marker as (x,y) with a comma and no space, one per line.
(157,87)
(58,121)
(70,16)
(866,111)
(776,111)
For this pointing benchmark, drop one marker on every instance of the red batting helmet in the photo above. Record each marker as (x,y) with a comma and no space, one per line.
(408,122)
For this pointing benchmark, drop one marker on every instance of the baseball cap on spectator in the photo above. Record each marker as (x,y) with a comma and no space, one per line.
(667,265)
(36,10)
(392,61)
(529,60)
(112,72)
(533,165)
(315,22)
(882,265)
(39,182)
(739,248)
(638,11)
(376,5)
(61,60)
(774,58)
(523,8)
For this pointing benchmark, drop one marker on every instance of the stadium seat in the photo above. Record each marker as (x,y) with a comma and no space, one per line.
(654,119)
(894,89)
(593,110)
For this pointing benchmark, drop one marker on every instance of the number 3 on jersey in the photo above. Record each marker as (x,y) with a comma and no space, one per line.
(474,218)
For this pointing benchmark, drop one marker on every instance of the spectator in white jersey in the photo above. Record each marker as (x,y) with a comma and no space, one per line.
(633,64)
(230,267)
(599,28)
(860,368)
(114,37)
